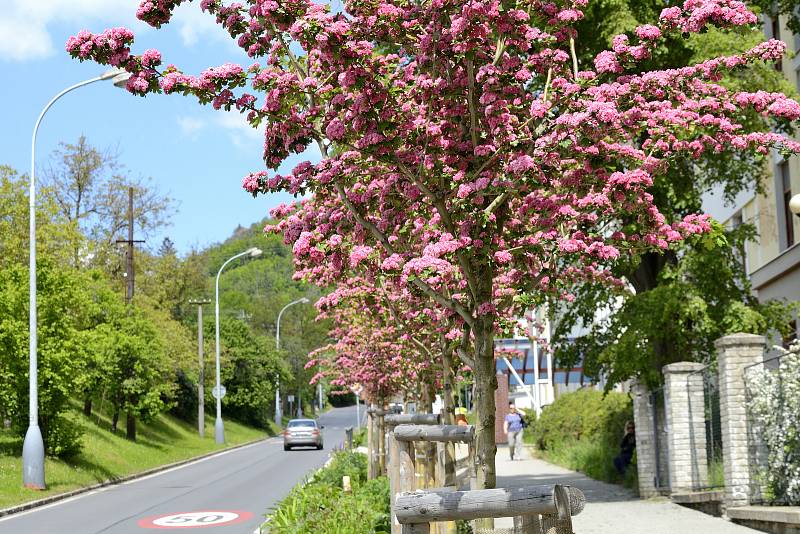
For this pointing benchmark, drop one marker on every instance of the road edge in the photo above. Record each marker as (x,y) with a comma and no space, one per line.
(121,480)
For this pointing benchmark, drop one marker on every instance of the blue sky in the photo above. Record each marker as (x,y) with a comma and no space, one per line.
(193,153)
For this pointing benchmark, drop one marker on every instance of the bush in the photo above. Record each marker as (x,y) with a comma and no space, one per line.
(582,431)
(775,407)
(321,505)
(586,414)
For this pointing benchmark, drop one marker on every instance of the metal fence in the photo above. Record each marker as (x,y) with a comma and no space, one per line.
(773,411)
(660,442)
(706,448)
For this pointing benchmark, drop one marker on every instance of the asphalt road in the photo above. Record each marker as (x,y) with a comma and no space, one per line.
(232,492)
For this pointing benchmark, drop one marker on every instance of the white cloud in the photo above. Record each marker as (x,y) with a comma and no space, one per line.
(191,126)
(193,25)
(24,24)
(239,130)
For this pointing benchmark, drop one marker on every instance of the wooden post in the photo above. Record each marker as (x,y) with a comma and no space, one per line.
(393,470)
(559,522)
(527,524)
(381,441)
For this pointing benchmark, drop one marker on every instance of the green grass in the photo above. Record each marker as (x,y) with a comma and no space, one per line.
(106,456)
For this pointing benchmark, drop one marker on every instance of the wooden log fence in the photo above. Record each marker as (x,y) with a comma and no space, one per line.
(535,509)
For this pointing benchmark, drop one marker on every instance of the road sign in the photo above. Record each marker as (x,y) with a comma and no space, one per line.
(200,519)
(290,398)
(216,392)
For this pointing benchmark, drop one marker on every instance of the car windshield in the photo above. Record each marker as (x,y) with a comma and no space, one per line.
(302,422)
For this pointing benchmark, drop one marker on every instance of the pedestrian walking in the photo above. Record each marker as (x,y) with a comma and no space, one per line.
(513,426)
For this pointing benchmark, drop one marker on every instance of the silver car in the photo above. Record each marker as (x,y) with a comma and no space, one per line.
(302,433)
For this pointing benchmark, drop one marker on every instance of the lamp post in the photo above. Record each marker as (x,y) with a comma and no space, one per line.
(278,414)
(794,204)
(33,446)
(219,430)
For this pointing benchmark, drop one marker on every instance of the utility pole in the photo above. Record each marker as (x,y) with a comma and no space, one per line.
(201,407)
(130,429)
(130,242)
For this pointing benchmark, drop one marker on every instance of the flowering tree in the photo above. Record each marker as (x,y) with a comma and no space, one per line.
(465,154)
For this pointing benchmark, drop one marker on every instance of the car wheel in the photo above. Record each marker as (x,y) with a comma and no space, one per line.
(287,448)
(319,447)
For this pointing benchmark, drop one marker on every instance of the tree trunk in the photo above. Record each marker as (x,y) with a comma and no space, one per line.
(87,407)
(115,420)
(485,386)
(382,439)
(130,427)
(426,450)
(372,449)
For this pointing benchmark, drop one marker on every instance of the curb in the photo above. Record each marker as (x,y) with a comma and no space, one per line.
(114,481)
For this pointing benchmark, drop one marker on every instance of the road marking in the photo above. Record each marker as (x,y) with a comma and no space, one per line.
(133,481)
(199,519)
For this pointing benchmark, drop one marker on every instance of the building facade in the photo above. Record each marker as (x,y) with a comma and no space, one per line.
(773,260)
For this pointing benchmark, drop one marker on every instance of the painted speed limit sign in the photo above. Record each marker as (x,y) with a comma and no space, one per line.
(203,518)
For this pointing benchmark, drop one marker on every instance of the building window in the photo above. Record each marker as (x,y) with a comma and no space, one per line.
(787,196)
(737,219)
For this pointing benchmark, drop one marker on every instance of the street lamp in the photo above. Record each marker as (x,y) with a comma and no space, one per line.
(278,414)
(33,446)
(794,205)
(219,430)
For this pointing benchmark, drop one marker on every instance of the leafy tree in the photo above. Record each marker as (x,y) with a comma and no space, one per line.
(681,299)
(250,372)
(60,300)
(54,235)
(93,194)
(137,377)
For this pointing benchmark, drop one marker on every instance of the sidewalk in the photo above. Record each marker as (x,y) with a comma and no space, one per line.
(610,509)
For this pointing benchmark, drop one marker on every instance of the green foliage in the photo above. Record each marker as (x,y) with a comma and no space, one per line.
(703,294)
(60,297)
(774,409)
(699,290)
(585,414)
(582,430)
(320,505)
(251,369)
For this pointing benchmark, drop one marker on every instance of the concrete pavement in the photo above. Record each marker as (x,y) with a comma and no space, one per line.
(230,492)
(610,509)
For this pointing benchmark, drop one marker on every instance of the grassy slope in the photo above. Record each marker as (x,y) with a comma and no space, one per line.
(106,455)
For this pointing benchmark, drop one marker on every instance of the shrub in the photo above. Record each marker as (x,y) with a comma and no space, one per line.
(775,407)
(582,431)
(586,414)
(321,505)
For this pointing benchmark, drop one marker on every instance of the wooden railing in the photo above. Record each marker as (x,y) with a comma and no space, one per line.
(535,509)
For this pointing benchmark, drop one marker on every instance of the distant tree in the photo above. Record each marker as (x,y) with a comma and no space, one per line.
(91,189)
(167,248)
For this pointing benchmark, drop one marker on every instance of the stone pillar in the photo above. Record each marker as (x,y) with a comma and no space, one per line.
(734,353)
(645,443)
(686,426)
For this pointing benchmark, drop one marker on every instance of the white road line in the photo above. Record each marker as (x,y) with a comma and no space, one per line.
(111,486)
